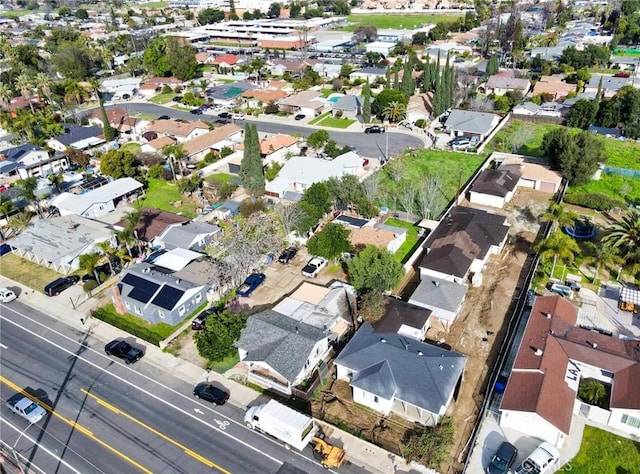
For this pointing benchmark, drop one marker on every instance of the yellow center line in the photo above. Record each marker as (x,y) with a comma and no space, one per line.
(188,451)
(75,425)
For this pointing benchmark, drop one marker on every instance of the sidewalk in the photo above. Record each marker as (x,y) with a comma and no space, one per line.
(359,452)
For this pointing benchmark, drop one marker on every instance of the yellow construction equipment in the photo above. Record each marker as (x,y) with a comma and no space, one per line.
(329,456)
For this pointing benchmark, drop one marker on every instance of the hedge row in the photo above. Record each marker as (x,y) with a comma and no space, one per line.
(597,201)
(153,333)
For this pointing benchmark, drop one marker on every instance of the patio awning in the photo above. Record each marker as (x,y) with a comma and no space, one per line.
(629,295)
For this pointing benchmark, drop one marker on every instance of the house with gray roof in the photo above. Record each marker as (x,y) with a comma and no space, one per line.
(404,318)
(501,83)
(281,351)
(188,235)
(494,187)
(610,84)
(469,123)
(77,137)
(348,106)
(391,373)
(58,242)
(444,298)
(156,296)
(23,161)
(369,74)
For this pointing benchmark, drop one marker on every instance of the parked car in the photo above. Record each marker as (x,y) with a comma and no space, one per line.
(197,111)
(238,117)
(59,285)
(459,142)
(287,254)
(299,116)
(502,460)
(123,350)
(164,117)
(313,267)
(252,282)
(540,461)
(4,187)
(7,295)
(199,322)
(26,408)
(210,393)
(374,129)
(225,115)
(177,98)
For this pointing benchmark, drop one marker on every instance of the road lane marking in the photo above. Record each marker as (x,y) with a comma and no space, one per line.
(136,387)
(75,425)
(188,451)
(3,346)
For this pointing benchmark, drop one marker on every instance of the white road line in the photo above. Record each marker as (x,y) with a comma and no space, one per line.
(3,346)
(35,442)
(150,394)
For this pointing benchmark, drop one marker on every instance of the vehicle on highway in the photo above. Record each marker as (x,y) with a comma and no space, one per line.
(59,285)
(299,116)
(238,117)
(289,426)
(287,254)
(313,267)
(502,460)
(222,121)
(7,295)
(123,350)
(210,393)
(540,461)
(374,129)
(252,282)
(26,408)
(199,322)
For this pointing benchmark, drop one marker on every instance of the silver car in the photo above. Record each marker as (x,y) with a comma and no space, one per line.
(26,408)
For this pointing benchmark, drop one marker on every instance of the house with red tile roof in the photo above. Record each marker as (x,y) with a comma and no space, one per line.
(226,61)
(554,357)
(276,147)
(181,131)
(228,136)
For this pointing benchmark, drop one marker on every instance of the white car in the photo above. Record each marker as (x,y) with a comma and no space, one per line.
(238,117)
(26,408)
(313,267)
(540,461)
(7,295)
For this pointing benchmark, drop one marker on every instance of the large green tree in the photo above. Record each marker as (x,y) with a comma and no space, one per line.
(366,103)
(374,268)
(318,199)
(215,341)
(181,58)
(210,15)
(73,61)
(576,156)
(118,164)
(251,171)
(582,114)
(386,97)
(330,242)
(557,246)
(155,59)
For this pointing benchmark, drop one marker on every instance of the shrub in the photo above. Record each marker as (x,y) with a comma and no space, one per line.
(89,285)
(155,171)
(420,123)
(597,201)
(271,109)
(153,333)
(166,89)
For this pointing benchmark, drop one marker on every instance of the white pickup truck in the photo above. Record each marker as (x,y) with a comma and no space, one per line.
(540,461)
(26,408)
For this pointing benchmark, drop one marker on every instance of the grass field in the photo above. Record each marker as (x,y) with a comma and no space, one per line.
(602,452)
(132,147)
(153,5)
(17,13)
(222,178)
(26,272)
(334,122)
(319,118)
(225,364)
(153,333)
(452,169)
(161,194)
(397,21)
(622,154)
(407,248)
(535,131)
(162,98)
(620,187)
(326,92)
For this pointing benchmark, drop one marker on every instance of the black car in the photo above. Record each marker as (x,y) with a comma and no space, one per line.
(58,286)
(287,254)
(222,121)
(299,116)
(210,393)
(123,350)
(177,98)
(503,459)
(164,117)
(198,323)
(196,111)
(224,115)
(374,129)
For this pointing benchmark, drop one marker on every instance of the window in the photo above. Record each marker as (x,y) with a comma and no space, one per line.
(198,298)
(182,310)
(127,305)
(631,421)
(161,314)
(375,399)
(137,310)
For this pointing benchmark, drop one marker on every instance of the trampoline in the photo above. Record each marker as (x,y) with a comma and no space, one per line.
(581,229)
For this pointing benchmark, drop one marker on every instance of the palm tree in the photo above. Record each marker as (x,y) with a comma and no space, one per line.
(174,153)
(24,84)
(394,112)
(560,215)
(624,234)
(56,179)
(20,221)
(88,262)
(132,218)
(29,186)
(74,93)
(557,245)
(5,208)
(43,85)
(125,237)
(6,94)
(107,249)
(601,256)
(591,391)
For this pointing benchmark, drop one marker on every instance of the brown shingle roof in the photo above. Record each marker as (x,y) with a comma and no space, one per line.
(160,142)
(209,139)
(174,128)
(153,222)
(265,95)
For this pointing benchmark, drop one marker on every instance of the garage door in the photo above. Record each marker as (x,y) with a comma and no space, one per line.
(547,187)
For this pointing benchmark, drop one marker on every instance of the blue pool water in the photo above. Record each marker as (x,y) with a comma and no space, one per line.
(334,99)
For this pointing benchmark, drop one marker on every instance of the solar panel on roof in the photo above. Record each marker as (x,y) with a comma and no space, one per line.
(168,297)
(142,290)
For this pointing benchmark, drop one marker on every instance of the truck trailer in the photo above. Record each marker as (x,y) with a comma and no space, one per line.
(292,428)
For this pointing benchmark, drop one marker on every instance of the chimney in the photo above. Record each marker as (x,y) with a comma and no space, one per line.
(538,352)
(548,315)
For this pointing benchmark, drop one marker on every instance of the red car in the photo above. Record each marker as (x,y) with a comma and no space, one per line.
(3,188)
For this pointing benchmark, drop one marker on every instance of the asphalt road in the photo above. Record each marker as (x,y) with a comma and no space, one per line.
(107,417)
(368,145)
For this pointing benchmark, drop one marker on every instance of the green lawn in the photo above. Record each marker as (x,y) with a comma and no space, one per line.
(397,21)
(326,92)
(335,122)
(604,453)
(153,333)
(407,248)
(222,178)
(620,187)
(152,5)
(225,364)
(161,194)
(503,139)
(319,118)
(622,154)
(162,98)
(132,147)
(452,169)
(26,272)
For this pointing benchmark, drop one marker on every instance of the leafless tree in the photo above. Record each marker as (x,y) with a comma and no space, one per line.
(397,169)
(465,82)
(371,186)
(408,197)
(430,198)
(289,216)
(523,135)
(481,105)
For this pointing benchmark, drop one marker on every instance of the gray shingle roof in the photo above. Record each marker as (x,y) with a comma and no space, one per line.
(182,236)
(282,342)
(389,365)
(76,133)
(438,293)
(348,103)
(469,121)
(398,313)
(495,182)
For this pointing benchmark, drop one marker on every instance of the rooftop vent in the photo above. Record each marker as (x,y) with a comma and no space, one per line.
(178,281)
(594,345)
(538,352)
(548,315)
(420,353)
(436,283)
(383,340)
(441,366)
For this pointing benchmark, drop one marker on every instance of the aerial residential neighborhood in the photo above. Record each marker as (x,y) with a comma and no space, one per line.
(285,237)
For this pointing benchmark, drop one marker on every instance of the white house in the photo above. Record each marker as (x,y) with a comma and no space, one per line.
(494,187)
(121,88)
(27,160)
(390,373)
